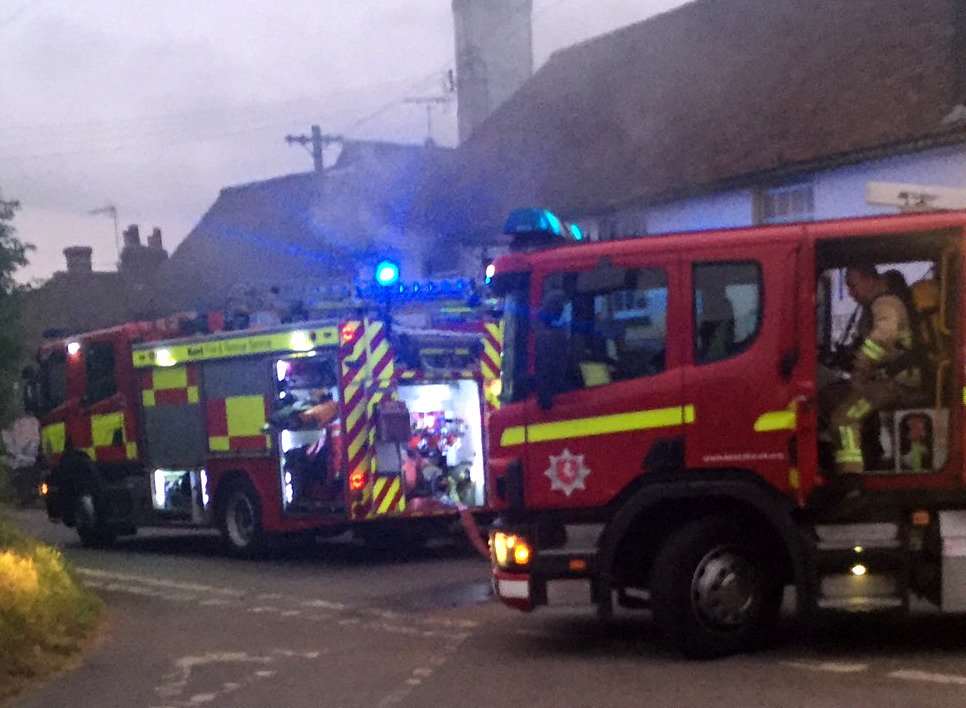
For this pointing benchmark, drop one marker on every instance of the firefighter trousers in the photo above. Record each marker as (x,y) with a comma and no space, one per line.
(847,405)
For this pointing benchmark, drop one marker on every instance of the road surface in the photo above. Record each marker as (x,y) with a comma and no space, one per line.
(338,625)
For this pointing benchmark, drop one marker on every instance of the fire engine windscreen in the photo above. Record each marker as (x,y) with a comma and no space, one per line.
(446,447)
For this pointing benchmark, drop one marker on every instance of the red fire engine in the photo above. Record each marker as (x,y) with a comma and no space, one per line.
(659,442)
(316,426)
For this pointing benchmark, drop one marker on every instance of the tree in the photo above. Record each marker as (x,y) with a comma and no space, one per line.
(13,255)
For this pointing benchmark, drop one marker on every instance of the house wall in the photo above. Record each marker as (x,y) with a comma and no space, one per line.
(838,193)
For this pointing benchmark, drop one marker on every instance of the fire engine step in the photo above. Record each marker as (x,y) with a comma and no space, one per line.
(862,567)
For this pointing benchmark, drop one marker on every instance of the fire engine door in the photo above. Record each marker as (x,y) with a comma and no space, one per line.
(744,357)
(607,403)
(102,428)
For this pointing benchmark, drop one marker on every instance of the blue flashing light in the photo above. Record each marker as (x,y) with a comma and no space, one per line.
(528,221)
(555,226)
(387,273)
(575,232)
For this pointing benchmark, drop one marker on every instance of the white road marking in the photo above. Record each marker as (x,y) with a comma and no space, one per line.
(417,676)
(157,582)
(389,621)
(176,682)
(912,675)
(834,667)
(324,605)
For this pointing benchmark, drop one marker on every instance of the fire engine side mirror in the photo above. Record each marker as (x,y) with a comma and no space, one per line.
(31,390)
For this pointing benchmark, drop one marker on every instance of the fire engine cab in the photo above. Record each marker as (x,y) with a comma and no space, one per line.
(310,427)
(661,440)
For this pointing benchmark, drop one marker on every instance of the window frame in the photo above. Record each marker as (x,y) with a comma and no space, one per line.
(772,192)
(55,358)
(664,269)
(748,342)
(89,394)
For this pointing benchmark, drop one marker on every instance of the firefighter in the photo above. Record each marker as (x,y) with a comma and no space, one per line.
(883,374)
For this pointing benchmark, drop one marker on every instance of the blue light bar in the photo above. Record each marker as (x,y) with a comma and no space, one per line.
(533,221)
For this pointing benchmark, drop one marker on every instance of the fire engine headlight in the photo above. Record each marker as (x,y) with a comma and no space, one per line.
(510,550)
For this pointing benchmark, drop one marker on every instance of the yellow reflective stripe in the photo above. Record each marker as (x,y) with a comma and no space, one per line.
(859,409)
(599,425)
(147,398)
(290,341)
(169,378)
(794,480)
(54,438)
(193,396)
(847,436)
(218,443)
(964,395)
(105,427)
(132,451)
(776,420)
(873,350)
(246,415)
(515,435)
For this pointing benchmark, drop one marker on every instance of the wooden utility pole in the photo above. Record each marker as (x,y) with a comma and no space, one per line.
(317,141)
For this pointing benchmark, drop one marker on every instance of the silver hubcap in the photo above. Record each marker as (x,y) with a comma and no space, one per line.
(240,520)
(85,517)
(724,589)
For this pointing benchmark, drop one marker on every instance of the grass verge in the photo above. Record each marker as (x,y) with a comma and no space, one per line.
(45,614)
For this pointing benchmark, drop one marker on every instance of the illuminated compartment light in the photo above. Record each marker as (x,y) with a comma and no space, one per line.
(73,348)
(289,490)
(44,489)
(158,488)
(204,488)
(281,370)
(490,271)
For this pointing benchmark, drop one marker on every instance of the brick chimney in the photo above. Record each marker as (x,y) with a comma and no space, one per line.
(132,236)
(138,262)
(154,240)
(79,259)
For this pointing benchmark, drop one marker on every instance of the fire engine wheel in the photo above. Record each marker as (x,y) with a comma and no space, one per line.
(240,520)
(93,533)
(711,592)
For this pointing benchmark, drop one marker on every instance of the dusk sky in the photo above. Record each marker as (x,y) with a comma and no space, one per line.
(155,106)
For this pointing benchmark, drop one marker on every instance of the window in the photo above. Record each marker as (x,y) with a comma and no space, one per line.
(727,309)
(99,359)
(599,326)
(794,202)
(53,382)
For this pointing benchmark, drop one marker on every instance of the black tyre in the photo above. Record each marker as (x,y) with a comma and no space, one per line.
(714,591)
(240,520)
(93,532)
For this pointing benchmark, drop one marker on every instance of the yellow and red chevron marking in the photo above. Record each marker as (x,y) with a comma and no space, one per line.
(387,496)
(492,350)
(380,354)
(355,413)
